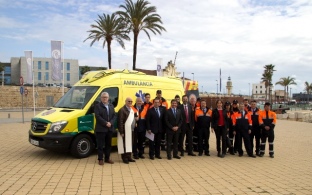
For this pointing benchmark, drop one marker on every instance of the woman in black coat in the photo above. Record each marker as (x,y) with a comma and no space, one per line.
(220,127)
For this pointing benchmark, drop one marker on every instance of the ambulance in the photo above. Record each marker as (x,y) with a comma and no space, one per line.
(69,124)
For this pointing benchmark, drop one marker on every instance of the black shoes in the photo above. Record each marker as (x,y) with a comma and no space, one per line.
(272,155)
(240,155)
(219,155)
(207,154)
(131,160)
(261,155)
(159,157)
(177,157)
(191,154)
(141,156)
(222,156)
(169,157)
(252,155)
(136,157)
(200,154)
(182,153)
(152,157)
(125,161)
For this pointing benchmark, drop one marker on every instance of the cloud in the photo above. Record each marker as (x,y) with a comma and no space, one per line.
(239,36)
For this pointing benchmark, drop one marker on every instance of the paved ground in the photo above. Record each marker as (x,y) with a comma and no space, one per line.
(26,169)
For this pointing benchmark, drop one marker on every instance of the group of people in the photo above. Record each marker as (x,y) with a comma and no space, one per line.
(171,128)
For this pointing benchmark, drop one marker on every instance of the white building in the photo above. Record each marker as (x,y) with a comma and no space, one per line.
(42,68)
(258,91)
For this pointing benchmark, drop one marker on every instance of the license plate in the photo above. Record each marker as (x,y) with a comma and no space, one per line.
(34,142)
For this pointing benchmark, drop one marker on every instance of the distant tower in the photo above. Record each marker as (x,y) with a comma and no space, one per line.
(229,86)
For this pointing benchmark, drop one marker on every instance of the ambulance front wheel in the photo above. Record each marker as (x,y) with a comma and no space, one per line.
(82,146)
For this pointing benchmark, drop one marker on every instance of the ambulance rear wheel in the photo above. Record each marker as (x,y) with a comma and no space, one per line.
(82,146)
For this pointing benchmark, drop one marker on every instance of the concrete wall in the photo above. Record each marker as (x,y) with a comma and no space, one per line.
(10,96)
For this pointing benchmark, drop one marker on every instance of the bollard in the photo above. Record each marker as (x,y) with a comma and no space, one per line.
(9,115)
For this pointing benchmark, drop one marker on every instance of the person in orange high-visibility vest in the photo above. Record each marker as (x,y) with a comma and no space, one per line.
(139,129)
(267,122)
(203,122)
(242,124)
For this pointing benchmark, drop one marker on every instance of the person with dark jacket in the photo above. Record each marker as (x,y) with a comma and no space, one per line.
(267,121)
(139,129)
(203,122)
(187,126)
(154,124)
(255,130)
(126,123)
(242,128)
(220,127)
(173,121)
(235,110)
(230,140)
(105,118)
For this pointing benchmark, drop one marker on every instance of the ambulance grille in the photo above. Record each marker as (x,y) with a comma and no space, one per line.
(38,127)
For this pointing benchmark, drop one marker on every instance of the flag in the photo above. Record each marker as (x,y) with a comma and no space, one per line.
(220,80)
(56,54)
(29,63)
(158,70)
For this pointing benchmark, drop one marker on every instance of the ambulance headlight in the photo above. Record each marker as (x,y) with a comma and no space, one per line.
(57,126)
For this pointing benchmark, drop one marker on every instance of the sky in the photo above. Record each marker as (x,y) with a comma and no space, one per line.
(237,36)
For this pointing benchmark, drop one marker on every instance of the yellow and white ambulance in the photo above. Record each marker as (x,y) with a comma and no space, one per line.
(69,124)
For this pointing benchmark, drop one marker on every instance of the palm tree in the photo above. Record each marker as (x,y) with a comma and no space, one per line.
(285,82)
(84,69)
(108,27)
(308,88)
(267,79)
(140,16)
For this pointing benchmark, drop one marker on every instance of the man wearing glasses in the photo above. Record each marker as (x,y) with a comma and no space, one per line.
(105,117)
(126,123)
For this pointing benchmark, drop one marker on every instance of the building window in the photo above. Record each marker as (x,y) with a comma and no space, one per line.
(256,87)
(68,76)
(39,76)
(7,70)
(46,76)
(256,91)
(68,66)
(260,87)
(260,91)
(47,65)
(39,65)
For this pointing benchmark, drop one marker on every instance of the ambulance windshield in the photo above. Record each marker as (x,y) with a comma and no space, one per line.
(77,97)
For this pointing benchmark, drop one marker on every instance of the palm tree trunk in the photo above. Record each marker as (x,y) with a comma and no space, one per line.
(109,54)
(135,43)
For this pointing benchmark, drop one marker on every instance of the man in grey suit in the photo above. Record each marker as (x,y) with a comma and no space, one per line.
(105,118)
(173,121)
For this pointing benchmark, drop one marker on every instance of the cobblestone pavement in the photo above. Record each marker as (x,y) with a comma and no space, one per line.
(26,169)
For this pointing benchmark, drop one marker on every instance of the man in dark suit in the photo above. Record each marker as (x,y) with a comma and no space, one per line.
(173,121)
(154,124)
(105,118)
(187,126)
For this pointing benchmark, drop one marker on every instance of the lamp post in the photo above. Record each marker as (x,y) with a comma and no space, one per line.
(217,86)
(193,75)
(290,94)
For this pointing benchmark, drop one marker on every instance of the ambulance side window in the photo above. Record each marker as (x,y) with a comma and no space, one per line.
(113,95)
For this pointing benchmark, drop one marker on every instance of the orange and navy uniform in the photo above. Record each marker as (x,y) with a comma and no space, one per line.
(240,122)
(241,126)
(140,124)
(267,118)
(247,108)
(254,116)
(203,119)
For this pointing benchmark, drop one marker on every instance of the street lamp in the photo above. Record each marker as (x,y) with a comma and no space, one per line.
(193,75)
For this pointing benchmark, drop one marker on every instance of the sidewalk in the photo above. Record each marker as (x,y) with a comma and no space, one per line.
(26,169)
